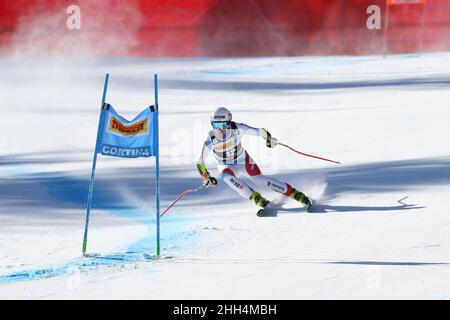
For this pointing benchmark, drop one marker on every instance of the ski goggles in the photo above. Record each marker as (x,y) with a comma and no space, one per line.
(220,124)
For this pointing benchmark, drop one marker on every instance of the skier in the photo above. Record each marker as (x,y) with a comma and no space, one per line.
(233,161)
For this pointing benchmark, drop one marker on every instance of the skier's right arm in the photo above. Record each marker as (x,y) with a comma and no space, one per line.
(271,142)
(207,178)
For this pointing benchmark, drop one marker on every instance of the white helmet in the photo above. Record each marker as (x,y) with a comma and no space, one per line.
(221,118)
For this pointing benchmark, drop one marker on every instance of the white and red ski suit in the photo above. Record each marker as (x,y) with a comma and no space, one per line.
(233,161)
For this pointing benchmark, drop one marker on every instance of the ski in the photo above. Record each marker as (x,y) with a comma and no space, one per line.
(270,209)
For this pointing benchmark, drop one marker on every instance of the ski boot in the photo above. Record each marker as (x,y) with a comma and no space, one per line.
(300,197)
(260,201)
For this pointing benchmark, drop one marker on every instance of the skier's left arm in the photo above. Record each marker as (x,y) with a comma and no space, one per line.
(271,142)
(208,180)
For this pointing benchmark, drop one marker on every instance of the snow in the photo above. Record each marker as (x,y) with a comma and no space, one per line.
(381,226)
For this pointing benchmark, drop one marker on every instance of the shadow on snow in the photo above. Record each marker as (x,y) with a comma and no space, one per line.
(114,187)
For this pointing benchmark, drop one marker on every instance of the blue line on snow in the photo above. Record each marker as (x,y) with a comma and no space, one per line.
(176,233)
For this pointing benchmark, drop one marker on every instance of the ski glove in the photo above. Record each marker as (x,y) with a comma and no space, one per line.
(209,181)
(271,142)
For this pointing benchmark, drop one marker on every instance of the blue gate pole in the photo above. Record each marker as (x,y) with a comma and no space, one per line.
(94,164)
(158,229)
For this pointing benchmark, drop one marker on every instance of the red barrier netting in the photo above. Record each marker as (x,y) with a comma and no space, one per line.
(219,27)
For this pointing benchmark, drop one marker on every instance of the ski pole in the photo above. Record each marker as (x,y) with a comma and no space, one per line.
(181,196)
(307,155)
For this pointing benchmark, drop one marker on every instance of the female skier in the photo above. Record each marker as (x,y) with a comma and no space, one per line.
(233,161)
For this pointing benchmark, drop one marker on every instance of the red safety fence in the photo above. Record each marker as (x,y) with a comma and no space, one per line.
(220,27)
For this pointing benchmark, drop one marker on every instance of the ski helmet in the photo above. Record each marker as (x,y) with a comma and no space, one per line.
(221,118)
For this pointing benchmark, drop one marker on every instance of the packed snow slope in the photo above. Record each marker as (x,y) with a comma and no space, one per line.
(381,226)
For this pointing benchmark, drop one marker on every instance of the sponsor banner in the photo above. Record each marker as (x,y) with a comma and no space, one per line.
(127,139)
(125,152)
